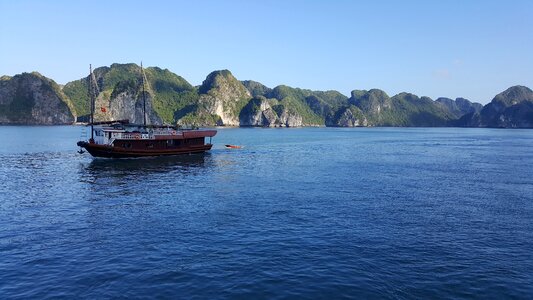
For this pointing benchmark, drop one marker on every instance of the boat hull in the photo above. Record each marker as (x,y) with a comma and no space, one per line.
(107,151)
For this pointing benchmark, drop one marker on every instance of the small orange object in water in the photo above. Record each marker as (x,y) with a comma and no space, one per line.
(233,147)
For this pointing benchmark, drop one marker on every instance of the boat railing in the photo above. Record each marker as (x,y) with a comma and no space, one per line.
(133,136)
(151,134)
(167,132)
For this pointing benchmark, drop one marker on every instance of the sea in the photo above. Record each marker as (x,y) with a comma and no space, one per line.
(296,213)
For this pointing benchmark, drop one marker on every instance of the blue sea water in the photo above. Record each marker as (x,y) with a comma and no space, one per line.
(394,213)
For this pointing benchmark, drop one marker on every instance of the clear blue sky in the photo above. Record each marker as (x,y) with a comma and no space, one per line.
(471,49)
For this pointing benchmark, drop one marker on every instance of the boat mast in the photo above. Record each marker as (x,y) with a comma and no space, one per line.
(91,97)
(144,96)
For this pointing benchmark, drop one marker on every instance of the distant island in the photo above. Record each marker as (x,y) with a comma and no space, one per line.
(222,100)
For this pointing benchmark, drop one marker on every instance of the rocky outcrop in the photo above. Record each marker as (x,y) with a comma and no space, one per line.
(30,98)
(288,118)
(120,94)
(223,100)
(350,116)
(513,108)
(223,95)
(460,106)
(404,109)
(519,115)
(259,112)
(373,104)
(126,102)
(128,105)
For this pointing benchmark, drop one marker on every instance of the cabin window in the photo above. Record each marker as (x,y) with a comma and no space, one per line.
(126,145)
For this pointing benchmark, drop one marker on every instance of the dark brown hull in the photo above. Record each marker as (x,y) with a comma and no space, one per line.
(119,152)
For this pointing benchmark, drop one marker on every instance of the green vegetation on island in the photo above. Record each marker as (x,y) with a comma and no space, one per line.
(222,100)
(31,98)
(513,108)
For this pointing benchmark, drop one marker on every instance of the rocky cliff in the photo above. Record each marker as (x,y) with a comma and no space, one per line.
(300,107)
(404,109)
(375,104)
(30,98)
(512,108)
(221,94)
(259,112)
(350,116)
(120,94)
(459,107)
(225,101)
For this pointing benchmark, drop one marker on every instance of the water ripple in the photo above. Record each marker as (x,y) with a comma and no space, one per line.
(297,213)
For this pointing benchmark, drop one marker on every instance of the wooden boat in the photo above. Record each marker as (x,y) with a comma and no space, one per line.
(120,139)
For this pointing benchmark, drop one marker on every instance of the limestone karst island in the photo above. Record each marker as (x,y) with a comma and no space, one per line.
(223,100)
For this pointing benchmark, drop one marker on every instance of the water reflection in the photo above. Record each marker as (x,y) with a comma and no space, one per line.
(144,167)
(155,164)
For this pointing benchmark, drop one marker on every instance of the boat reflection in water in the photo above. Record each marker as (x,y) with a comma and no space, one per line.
(138,168)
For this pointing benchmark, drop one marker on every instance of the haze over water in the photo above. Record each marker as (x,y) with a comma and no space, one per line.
(306,213)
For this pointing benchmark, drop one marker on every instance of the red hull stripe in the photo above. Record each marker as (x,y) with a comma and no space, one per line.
(117,152)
